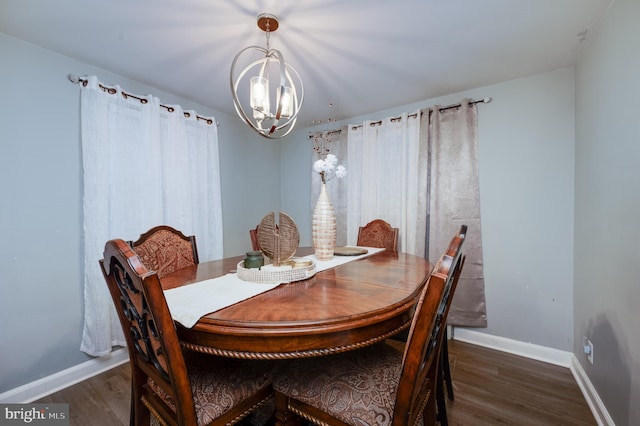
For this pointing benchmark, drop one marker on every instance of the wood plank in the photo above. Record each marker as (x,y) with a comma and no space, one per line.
(102,400)
(493,388)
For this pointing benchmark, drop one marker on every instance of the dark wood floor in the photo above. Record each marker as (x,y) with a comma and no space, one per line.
(496,388)
(491,388)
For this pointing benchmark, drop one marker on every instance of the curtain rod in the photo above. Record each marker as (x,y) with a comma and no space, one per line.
(441,109)
(78,80)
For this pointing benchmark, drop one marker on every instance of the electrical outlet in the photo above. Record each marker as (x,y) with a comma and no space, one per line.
(587,347)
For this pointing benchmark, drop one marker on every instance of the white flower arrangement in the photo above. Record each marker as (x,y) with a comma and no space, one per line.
(327,165)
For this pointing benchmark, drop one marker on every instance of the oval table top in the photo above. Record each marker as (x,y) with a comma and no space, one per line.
(347,307)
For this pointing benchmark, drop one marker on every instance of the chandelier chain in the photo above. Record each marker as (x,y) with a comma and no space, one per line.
(267,31)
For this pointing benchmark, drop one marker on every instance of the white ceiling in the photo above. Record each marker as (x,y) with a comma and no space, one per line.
(358,55)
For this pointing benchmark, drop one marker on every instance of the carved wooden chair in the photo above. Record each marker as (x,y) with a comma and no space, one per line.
(444,370)
(444,379)
(176,387)
(165,249)
(377,385)
(378,233)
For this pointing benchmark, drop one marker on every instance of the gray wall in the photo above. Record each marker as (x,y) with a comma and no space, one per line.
(41,299)
(607,200)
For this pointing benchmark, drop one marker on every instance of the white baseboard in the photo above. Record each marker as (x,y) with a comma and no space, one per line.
(593,399)
(47,385)
(545,354)
(528,350)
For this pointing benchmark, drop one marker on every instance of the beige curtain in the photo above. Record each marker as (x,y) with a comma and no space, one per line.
(454,199)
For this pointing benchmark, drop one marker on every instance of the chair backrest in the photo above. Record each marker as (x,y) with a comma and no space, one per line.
(165,249)
(152,340)
(378,233)
(253,233)
(420,359)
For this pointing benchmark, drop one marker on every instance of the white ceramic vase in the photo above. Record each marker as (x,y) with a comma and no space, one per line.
(323,229)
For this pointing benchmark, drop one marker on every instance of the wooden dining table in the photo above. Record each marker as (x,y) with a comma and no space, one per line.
(343,308)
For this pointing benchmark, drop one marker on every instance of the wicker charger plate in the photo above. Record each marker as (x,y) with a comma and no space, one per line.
(271,276)
(278,241)
(349,251)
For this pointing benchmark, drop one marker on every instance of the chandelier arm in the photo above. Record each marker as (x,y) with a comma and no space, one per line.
(281,88)
(297,103)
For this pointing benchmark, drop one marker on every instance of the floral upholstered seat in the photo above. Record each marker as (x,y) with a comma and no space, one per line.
(356,387)
(218,390)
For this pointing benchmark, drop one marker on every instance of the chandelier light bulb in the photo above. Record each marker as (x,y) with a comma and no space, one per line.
(286,101)
(259,94)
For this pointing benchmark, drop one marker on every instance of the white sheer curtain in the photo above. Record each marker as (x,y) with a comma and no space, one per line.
(384,163)
(143,166)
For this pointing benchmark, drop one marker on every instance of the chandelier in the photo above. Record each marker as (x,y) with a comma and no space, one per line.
(252,86)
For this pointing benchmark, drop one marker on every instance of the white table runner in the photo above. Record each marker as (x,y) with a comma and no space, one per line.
(189,303)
